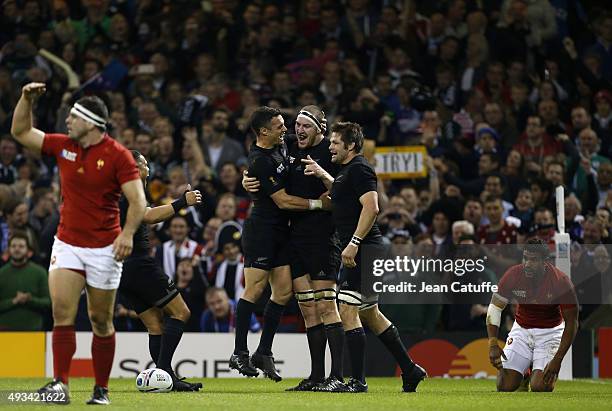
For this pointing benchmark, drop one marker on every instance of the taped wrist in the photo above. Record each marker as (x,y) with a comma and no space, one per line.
(180,203)
(494,315)
(315,204)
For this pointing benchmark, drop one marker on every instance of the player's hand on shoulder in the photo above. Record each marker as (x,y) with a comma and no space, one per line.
(32,91)
(250,184)
(192,197)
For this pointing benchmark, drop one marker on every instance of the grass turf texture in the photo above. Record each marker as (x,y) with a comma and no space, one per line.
(259,394)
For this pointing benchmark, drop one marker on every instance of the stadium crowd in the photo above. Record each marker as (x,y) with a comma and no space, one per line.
(511,98)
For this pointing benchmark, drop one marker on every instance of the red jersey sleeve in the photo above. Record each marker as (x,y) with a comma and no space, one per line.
(126,168)
(53,144)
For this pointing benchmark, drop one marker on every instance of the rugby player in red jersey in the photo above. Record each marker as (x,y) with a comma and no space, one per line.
(90,245)
(545,325)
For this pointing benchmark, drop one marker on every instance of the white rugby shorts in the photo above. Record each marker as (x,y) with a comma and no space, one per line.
(99,264)
(533,347)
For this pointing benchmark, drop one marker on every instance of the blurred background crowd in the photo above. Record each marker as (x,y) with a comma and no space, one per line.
(511,98)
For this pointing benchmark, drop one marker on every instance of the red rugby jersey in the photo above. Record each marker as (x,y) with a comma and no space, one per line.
(539,299)
(91,180)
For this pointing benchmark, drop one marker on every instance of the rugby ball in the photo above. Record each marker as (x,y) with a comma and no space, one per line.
(154,380)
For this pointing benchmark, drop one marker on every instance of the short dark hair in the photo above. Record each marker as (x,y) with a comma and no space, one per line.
(12,204)
(493,199)
(96,106)
(261,118)
(350,133)
(537,246)
(17,235)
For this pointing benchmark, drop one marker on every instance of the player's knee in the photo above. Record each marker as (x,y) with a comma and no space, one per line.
(538,386)
(62,313)
(101,322)
(179,311)
(254,290)
(506,386)
(281,294)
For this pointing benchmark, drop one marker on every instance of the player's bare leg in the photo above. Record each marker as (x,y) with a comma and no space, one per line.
(537,382)
(355,339)
(327,310)
(65,287)
(100,308)
(282,286)
(412,374)
(509,380)
(304,294)
(255,280)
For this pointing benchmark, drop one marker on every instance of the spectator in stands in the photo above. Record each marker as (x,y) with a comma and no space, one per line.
(497,231)
(192,285)
(229,270)
(9,160)
(472,212)
(24,295)
(180,246)
(219,317)
(219,147)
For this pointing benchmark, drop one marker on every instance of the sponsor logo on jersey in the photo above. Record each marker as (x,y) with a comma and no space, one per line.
(68,155)
(520,293)
(291,159)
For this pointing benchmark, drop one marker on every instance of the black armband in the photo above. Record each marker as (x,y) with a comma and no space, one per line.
(180,203)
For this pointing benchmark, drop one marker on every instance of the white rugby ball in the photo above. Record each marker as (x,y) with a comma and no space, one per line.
(154,380)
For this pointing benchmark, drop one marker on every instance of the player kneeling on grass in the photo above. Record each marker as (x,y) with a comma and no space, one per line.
(150,291)
(545,325)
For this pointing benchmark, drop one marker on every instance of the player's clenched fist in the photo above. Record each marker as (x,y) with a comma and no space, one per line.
(495,356)
(192,197)
(32,91)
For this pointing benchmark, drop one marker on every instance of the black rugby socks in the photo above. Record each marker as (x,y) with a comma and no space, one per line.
(173,331)
(335,336)
(391,338)
(244,310)
(356,342)
(154,347)
(316,343)
(272,316)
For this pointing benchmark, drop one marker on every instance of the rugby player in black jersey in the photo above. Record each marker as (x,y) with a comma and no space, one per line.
(355,207)
(152,294)
(314,251)
(265,240)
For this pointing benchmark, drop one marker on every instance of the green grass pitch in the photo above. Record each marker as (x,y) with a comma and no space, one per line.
(259,394)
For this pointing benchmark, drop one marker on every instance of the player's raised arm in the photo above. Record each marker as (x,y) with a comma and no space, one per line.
(164,212)
(21,128)
(497,305)
(134,192)
(570,316)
